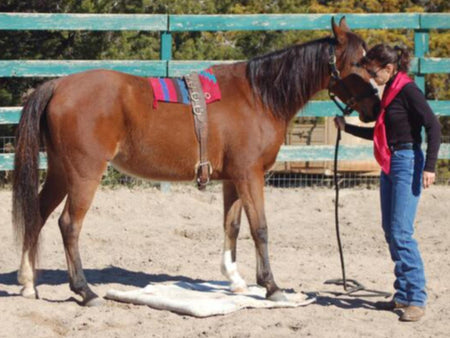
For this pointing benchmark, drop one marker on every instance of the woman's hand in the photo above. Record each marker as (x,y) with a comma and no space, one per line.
(428,179)
(339,122)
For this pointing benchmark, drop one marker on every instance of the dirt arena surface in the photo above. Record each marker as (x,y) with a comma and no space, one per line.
(133,237)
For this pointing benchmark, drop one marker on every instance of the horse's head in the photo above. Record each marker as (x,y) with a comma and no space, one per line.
(349,81)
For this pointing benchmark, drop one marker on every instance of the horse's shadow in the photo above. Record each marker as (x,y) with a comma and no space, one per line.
(116,275)
(109,275)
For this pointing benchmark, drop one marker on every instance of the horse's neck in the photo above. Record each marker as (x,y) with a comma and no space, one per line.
(286,80)
(301,106)
(307,99)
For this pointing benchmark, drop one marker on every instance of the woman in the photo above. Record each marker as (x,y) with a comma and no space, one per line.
(397,138)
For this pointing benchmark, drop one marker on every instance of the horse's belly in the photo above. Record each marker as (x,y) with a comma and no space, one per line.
(164,146)
(153,172)
(157,164)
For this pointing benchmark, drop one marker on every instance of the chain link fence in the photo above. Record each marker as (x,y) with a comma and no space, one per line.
(273,178)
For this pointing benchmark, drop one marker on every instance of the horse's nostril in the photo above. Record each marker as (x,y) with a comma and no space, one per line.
(364,114)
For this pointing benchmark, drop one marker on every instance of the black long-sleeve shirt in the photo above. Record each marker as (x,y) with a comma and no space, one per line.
(404,118)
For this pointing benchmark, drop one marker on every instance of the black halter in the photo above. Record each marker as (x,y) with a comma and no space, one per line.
(335,75)
(335,79)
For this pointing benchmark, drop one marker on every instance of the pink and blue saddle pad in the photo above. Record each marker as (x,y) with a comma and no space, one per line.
(175,90)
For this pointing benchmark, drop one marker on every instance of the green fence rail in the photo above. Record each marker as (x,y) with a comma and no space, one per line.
(167,25)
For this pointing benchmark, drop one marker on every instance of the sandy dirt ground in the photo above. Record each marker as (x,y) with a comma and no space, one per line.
(133,237)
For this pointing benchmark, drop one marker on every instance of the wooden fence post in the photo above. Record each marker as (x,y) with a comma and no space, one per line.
(421,47)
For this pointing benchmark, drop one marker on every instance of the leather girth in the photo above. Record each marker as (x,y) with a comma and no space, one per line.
(203,169)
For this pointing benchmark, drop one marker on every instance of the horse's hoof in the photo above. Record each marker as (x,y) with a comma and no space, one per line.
(97,301)
(29,292)
(278,296)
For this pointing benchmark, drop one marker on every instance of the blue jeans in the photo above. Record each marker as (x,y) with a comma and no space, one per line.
(400,193)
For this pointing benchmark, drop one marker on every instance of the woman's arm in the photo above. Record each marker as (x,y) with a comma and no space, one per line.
(362,132)
(418,105)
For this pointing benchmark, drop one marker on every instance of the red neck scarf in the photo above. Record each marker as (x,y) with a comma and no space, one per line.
(381,147)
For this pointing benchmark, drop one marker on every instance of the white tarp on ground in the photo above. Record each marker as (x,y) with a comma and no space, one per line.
(203,299)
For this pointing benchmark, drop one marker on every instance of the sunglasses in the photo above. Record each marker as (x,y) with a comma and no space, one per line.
(374,73)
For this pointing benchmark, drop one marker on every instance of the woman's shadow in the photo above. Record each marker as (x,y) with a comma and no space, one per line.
(345,302)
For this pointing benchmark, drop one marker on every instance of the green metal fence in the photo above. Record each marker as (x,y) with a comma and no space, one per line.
(167,25)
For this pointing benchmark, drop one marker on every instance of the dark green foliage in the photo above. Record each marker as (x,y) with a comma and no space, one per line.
(240,45)
(195,45)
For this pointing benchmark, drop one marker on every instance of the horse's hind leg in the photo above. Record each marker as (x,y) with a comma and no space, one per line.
(51,195)
(80,194)
(232,221)
(251,192)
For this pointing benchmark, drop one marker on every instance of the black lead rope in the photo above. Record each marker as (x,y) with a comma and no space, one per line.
(350,285)
(336,207)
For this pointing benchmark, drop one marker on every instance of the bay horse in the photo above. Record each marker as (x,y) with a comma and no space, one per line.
(93,118)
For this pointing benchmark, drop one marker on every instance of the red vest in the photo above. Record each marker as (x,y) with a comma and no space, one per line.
(380,145)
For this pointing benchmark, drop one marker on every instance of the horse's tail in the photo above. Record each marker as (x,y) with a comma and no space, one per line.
(25,208)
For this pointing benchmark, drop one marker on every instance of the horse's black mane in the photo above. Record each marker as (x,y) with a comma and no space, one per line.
(285,80)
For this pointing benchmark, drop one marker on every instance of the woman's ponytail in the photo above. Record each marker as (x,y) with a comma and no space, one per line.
(403,59)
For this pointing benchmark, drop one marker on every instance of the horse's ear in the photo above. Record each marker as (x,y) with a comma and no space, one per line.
(338,32)
(343,25)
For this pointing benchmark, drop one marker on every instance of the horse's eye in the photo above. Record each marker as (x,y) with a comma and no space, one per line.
(356,64)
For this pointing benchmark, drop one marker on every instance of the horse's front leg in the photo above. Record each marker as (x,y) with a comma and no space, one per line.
(251,192)
(232,222)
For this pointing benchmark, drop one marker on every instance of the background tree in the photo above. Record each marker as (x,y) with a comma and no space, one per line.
(199,45)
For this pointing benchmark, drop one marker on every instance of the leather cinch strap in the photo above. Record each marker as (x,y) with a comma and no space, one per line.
(203,169)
